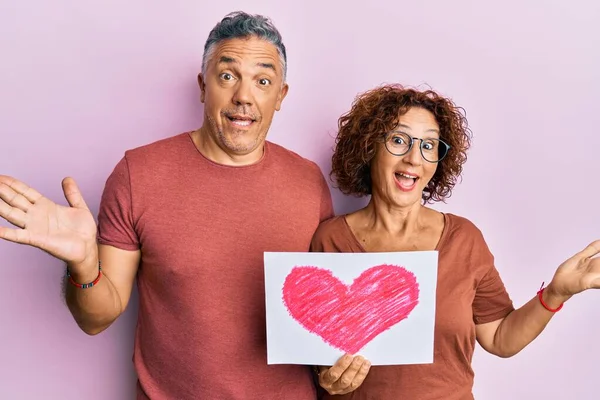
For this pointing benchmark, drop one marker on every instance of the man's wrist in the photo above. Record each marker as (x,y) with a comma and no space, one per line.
(86,271)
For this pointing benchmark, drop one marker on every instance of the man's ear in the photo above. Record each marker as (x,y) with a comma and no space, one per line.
(282,93)
(202,85)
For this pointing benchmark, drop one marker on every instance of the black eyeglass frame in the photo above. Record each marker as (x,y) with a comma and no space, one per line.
(411,143)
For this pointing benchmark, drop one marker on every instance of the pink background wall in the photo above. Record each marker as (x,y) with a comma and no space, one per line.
(80,82)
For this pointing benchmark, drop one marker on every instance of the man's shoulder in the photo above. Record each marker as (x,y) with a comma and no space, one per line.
(292,160)
(160,147)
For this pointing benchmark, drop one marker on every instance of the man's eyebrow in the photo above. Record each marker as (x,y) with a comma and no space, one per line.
(231,60)
(266,65)
(228,60)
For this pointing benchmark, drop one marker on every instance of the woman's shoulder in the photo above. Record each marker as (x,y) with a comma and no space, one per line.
(462,224)
(462,230)
(333,235)
(331,227)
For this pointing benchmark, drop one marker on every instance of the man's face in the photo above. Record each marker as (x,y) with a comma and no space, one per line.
(241,90)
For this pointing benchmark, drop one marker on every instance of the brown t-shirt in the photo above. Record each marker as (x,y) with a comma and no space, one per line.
(202,229)
(469,291)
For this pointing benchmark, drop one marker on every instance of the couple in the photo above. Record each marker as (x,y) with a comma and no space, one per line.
(189,218)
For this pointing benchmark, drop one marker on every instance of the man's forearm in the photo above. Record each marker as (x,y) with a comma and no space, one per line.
(95,308)
(525,324)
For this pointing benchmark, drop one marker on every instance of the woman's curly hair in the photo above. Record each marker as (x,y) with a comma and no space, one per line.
(377,112)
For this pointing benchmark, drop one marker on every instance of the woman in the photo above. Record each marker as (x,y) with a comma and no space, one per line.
(406,148)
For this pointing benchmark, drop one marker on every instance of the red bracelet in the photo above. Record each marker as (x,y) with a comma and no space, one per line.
(86,285)
(540,292)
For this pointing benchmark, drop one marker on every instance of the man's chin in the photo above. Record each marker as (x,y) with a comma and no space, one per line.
(242,146)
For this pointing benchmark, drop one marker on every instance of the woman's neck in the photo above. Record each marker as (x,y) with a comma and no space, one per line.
(396,221)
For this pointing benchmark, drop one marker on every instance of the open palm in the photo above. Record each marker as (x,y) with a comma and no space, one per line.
(580,272)
(67,233)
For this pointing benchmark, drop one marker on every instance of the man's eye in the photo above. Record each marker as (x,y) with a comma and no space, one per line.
(226,76)
(264,81)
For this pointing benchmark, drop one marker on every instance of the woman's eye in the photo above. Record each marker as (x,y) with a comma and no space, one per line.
(428,145)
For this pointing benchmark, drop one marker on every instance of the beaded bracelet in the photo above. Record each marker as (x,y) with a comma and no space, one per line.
(86,285)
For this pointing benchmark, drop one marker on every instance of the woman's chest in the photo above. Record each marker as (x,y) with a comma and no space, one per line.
(455,292)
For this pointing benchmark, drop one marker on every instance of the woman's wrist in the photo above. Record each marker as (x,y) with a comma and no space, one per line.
(554,298)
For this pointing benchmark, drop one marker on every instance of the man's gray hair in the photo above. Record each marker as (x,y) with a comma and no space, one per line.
(243,25)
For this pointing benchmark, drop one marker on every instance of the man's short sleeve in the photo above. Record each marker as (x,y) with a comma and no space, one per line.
(326,201)
(115,217)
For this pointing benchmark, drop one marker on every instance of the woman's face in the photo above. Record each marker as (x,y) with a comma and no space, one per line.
(400,180)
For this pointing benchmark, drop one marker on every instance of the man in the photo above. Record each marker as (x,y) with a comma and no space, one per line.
(189,217)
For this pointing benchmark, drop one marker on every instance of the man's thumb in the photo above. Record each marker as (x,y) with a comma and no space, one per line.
(72,194)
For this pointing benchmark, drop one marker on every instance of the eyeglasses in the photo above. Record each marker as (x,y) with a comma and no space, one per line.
(400,143)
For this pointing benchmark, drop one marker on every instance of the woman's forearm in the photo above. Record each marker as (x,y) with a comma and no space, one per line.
(523,325)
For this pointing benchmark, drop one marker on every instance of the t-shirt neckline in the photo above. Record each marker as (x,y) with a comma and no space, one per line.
(438,246)
(248,167)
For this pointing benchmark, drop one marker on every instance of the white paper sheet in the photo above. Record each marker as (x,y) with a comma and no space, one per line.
(323,305)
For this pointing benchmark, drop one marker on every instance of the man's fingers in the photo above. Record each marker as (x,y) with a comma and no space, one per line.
(29,193)
(13,235)
(8,234)
(334,373)
(72,194)
(12,214)
(13,199)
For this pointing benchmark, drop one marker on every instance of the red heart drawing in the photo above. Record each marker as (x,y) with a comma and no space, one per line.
(349,317)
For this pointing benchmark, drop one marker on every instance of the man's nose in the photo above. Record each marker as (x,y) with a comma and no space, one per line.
(243,93)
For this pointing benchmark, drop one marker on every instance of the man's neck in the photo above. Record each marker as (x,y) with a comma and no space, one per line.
(208,147)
